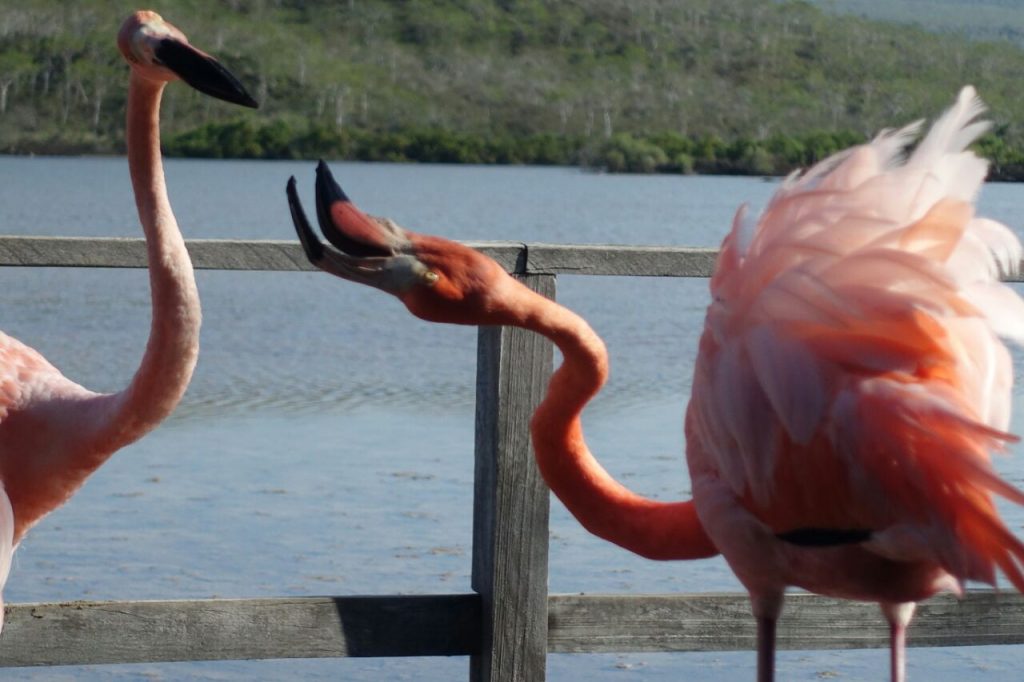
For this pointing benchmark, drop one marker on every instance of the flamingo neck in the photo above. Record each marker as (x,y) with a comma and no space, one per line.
(653,529)
(173,346)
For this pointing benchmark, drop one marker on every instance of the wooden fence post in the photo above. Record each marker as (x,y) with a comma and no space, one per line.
(511,502)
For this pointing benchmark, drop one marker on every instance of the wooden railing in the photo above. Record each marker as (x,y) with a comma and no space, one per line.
(509,623)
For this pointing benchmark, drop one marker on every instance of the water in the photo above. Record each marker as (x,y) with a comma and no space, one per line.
(327,431)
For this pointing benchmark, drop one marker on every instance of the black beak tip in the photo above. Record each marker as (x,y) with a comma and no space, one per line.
(310,243)
(229,90)
(239,96)
(246,100)
(328,192)
(327,188)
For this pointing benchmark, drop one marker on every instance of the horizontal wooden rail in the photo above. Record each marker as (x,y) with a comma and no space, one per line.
(279,255)
(723,622)
(77,633)
(83,632)
(227,254)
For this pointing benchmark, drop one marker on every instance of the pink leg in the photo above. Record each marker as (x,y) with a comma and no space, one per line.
(899,616)
(766,610)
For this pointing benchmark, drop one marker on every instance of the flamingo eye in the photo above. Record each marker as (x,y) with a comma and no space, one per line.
(430,278)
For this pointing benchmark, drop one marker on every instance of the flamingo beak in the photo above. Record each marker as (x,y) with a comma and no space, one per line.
(361,249)
(202,72)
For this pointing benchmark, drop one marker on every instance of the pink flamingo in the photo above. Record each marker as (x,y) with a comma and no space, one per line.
(53,432)
(849,388)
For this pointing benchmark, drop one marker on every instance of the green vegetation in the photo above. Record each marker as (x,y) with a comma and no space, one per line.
(621,153)
(707,86)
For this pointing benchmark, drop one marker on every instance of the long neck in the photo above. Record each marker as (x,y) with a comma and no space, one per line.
(606,508)
(173,346)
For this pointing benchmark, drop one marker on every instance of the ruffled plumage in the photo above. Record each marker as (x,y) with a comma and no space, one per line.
(853,343)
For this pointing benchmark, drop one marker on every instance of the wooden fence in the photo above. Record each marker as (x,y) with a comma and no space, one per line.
(509,623)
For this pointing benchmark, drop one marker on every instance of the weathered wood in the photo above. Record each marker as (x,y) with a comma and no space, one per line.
(510,522)
(644,261)
(275,255)
(722,622)
(72,252)
(76,633)
(221,629)
(114,252)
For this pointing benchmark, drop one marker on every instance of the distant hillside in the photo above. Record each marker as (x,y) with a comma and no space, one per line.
(706,85)
(974,19)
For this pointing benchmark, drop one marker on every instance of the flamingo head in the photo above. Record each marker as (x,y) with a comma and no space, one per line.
(159,51)
(438,280)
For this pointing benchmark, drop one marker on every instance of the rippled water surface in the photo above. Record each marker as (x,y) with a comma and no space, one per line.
(325,445)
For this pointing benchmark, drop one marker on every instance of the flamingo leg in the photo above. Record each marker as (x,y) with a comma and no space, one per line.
(766,649)
(899,616)
(767,608)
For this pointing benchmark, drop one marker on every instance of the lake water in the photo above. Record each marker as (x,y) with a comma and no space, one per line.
(325,445)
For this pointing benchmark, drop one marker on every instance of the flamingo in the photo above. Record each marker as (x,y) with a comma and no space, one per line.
(849,388)
(54,432)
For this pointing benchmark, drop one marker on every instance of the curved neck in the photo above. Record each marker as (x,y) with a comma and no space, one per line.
(656,530)
(173,346)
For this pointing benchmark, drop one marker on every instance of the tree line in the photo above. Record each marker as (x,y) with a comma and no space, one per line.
(620,153)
